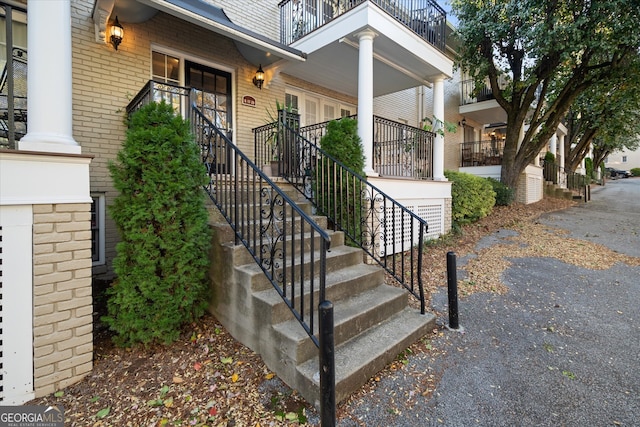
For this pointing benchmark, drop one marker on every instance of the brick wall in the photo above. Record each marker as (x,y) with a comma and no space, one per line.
(62,334)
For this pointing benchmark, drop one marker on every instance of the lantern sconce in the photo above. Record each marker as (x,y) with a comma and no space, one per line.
(258,80)
(117,33)
(463,123)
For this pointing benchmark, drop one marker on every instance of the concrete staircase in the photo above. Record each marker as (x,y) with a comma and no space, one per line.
(554,190)
(373,322)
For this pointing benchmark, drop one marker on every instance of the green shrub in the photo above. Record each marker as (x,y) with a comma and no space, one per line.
(635,171)
(472,197)
(504,194)
(163,257)
(588,165)
(549,157)
(340,199)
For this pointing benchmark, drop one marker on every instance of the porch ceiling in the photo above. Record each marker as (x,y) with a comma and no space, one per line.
(402,59)
(484,112)
(256,48)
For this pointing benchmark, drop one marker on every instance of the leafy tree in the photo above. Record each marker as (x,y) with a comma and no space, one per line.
(552,51)
(162,259)
(606,116)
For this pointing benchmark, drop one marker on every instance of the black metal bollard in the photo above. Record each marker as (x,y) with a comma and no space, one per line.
(327,366)
(452,287)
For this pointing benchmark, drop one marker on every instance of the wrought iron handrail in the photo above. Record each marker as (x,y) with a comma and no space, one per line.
(481,153)
(387,231)
(273,228)
(573,181)
(424,17)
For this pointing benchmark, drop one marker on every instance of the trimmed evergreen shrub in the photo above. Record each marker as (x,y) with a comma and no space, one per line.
(588,165)
(549,157)
(472,197)
(504,194)
(337,199)
(635,171)
(163,257)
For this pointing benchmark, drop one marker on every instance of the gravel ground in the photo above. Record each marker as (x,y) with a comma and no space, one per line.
(558,346)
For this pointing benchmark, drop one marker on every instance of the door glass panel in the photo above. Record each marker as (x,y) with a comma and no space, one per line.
(213,98)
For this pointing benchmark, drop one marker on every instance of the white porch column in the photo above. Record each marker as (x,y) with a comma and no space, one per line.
(438,143)
(561,154)
(553,145)
(49,126)
(365,97)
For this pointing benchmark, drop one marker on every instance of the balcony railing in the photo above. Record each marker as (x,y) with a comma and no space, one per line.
(481,153)
(301,17)
(469,94)
(399,150)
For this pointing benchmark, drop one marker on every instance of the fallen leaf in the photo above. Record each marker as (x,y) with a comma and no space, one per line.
(270,375)
(103,412)
(234,378)
(177,380)
(197,366)
(213,411)
(226,360)
(168,403)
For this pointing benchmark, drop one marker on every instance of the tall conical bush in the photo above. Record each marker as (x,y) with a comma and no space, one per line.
(163,256)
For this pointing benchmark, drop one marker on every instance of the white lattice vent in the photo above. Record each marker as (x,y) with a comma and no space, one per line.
(434,216)
(395,219)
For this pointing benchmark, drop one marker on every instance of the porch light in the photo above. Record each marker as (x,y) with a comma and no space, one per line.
(117,32)
(259,78)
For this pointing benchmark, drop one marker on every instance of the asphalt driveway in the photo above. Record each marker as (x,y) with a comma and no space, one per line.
(560,348)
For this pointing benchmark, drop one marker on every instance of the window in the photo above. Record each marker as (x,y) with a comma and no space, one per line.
(624,159)
(291,101)
(97,229)
(165,68)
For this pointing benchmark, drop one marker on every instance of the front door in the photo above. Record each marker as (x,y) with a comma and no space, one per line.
(213,98)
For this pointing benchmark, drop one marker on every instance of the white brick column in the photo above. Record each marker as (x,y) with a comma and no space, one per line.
(438,117)
(49,79)
(365,97)
(553,145)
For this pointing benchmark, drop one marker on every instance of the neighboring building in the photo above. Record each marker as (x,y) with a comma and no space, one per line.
(326,59)
(624,160)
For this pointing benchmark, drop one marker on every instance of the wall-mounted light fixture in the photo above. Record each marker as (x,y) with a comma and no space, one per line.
(258,80)
(117,32)
(463,123)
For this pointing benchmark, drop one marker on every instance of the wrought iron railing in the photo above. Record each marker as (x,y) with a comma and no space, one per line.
(424,17)
(481,153)
(570,180)
(399,150)
(388,232)
(469,94)
(13,80)
(272,227)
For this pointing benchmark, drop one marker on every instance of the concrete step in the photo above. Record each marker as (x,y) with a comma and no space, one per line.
(360,358)
(352,316)
(340,285)
(337,258)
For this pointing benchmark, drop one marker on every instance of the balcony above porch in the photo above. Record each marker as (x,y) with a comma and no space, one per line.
(409,46)
(480,105)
